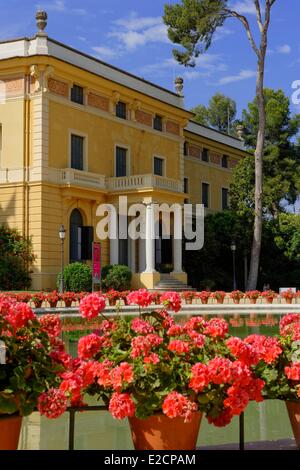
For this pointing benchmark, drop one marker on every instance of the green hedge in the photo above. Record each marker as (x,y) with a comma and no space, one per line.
(116,277)
(77,278)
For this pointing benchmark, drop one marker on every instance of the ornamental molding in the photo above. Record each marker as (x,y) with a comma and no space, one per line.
(41,77)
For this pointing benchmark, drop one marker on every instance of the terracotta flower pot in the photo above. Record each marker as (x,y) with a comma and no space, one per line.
(293,408)
(38,304)
(10,427)
(53,304)
(189,301)
(204,301)
(269,300)
(253,301)
(236,301)
(220,301)
(288,301)
(162,433)
(68,303)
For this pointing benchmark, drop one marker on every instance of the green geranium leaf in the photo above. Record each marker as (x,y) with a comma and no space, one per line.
(7,405)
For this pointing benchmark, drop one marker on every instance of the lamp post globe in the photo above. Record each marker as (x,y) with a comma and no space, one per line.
(62,236)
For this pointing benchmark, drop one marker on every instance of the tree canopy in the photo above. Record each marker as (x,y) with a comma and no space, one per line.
(281,160)
(220,113)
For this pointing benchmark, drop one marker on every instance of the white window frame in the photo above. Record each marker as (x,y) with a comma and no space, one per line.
(128,159)
(85,147)
(164,164)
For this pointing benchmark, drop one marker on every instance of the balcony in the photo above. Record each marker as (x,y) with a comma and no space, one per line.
(71,177)
(143,182)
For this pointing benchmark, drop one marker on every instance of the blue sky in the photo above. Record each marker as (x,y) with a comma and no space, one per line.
(130,34)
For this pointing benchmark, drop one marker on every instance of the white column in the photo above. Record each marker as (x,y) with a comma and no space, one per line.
(177,256)
(150,240)
(132,255)
(114,248)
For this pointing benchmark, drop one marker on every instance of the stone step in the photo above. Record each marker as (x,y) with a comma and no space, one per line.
(169,283)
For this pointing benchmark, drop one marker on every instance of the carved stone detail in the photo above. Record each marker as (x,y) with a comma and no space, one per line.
(41,77)
(215,158)
(97,101)
(58,87)
(194,151)
(143,118)
(172,127)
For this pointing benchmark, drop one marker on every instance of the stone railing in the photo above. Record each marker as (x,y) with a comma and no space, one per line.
(70,176)
(143,181)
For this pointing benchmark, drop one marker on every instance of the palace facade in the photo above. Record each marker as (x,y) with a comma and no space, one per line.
(75,133)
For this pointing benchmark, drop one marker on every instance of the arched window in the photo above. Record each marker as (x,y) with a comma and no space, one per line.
(76,221)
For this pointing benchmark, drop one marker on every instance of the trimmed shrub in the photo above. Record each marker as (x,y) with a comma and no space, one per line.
(77,278)
(116,277)
(16,258)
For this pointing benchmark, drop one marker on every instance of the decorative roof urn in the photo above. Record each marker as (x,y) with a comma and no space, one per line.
(41,21)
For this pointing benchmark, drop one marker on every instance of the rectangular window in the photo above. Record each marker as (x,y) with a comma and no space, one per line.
(205,194)
(77,94)
(121,110)
(158,166)
(77,152)
(224,199)
(225,161)
(185,149)
(186,185)
(157,123)
(205,155)
(121,162)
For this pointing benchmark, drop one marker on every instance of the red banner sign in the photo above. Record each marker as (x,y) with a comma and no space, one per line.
(96,263)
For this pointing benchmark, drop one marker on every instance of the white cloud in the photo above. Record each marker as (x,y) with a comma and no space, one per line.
(134,31)
(206,66)
(284,49)
(61,6)
(211,62)
(132,39)
(105,52)
(194,74)
(135,23)
(244,6)
(243,75)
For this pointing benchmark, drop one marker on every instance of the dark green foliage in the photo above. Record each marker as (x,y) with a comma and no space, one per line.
(219,114)
(192,24)
(77,278)
(280,261)
(16,258)
(116,277)
(281,162)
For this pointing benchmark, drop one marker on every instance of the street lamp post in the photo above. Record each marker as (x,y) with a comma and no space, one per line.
(62,236)
(233,249)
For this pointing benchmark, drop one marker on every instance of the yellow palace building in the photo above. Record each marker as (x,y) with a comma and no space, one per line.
(75,133)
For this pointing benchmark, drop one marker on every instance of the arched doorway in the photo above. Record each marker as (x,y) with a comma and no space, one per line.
(76,221)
